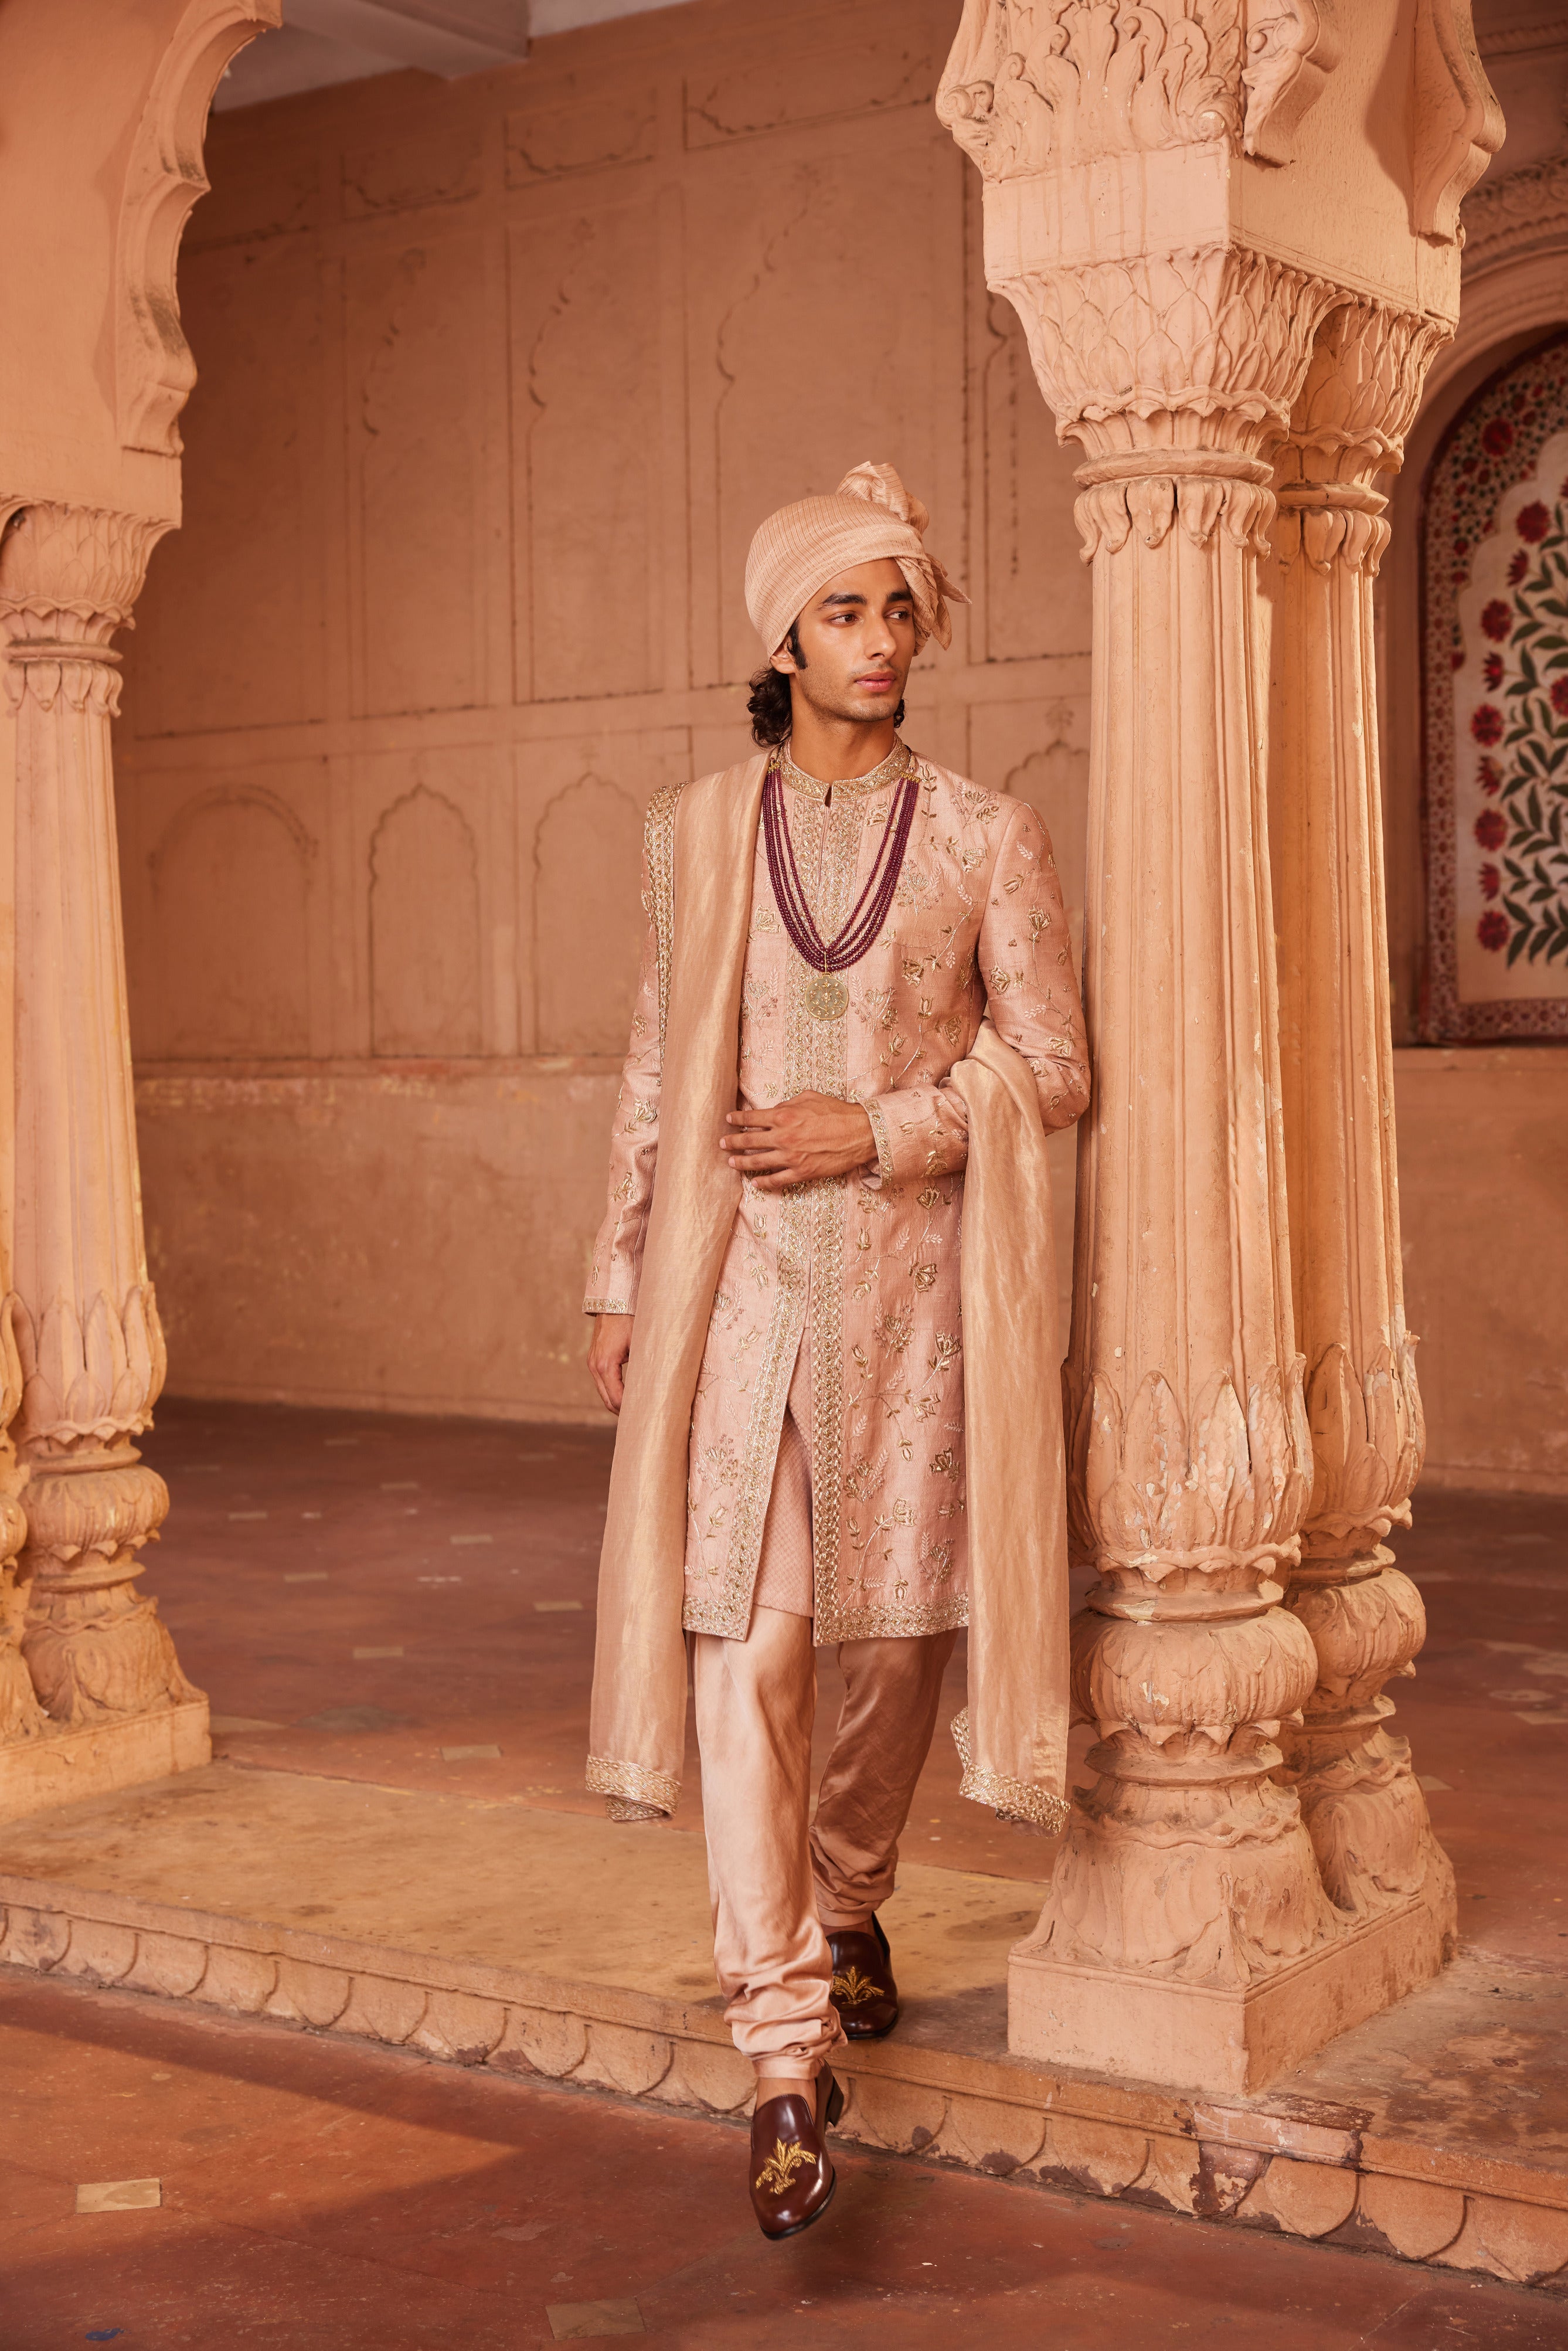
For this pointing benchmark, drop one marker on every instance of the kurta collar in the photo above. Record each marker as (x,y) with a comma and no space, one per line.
(899,763)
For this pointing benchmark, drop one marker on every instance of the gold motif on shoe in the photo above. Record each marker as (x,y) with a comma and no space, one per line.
(777,2174)
(855,1988)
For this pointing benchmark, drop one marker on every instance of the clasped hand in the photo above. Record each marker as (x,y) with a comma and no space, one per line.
(799,1141)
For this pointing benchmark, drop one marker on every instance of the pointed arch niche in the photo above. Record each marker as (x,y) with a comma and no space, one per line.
(424,930)
(1494,707)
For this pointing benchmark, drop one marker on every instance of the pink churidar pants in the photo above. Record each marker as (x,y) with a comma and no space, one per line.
(780,1882)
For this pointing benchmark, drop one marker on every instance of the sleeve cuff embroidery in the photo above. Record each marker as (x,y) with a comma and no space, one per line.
(873,1111)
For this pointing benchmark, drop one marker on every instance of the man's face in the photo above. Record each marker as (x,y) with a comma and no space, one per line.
(858,638)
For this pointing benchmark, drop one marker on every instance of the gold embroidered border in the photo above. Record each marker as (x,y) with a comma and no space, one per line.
(1019,1801)
(875,1112)
(728,1613)
(659,832)
(605,1306)
(895,1624)
(630,1783)
(900,762)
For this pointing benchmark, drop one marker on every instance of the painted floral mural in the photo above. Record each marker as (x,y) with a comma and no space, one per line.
(1495,557)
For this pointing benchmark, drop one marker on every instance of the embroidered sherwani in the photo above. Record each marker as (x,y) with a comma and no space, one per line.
(867,1266)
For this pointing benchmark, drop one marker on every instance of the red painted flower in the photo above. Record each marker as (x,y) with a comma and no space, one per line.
(1560,697)
(1492,929)
(1489,775)
(1485,722)
(1533,522)
(1491,880)
(1497,438)
(1491,672)
(1518,568)
(1492,828)
(1497,619)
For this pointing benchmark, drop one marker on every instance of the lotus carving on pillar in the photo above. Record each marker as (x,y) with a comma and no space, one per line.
(98,1376)
(1146,1490)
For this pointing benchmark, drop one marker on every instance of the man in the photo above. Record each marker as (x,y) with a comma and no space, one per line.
(856,1016)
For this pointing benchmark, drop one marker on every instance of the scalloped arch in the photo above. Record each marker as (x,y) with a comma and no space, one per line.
(153,366)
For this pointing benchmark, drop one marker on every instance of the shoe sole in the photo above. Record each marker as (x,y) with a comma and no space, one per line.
(852,2033)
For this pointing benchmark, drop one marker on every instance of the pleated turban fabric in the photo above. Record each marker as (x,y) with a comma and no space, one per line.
(870,515)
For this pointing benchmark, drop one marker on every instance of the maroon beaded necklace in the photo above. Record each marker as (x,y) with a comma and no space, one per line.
(826,995)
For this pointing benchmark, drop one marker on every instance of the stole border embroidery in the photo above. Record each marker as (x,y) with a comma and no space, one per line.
(659,834)
(631,1783)
(1018,1799)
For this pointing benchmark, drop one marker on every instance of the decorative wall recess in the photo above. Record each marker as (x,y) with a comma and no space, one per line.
(1495,708)
(425,983)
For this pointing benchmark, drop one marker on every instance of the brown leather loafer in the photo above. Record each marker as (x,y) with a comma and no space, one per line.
(864,1990)
(793,2178)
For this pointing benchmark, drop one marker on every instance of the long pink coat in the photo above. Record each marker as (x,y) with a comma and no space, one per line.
(868,1264)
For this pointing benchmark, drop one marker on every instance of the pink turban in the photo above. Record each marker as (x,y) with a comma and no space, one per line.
(870,515)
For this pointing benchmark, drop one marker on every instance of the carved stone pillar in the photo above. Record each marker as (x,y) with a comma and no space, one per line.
(1364,1808)
(91,1352)
(1134,218)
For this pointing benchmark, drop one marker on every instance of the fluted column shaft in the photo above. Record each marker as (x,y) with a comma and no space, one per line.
(1187,1444)
(1364,1807)
(90,1349)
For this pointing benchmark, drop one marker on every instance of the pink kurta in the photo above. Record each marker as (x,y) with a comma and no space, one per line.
(869,1263)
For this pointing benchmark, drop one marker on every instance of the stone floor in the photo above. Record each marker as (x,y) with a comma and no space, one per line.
(394,1621)
(327,2196)
(469,1550)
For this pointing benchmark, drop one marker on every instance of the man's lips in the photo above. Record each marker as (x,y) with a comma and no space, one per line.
(881,681)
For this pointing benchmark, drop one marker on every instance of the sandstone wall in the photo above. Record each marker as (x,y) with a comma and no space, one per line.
(496,378)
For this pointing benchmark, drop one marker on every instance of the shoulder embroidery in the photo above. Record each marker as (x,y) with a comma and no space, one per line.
(660,835)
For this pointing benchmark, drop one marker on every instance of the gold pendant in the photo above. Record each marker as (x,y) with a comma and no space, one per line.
(826,996)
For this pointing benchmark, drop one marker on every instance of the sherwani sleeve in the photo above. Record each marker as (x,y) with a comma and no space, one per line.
(633,1145)
(1025,962)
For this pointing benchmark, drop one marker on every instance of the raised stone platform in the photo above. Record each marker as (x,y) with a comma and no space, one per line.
(484,1932)
(60,1766)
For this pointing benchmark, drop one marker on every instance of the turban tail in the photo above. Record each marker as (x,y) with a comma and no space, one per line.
(870,515)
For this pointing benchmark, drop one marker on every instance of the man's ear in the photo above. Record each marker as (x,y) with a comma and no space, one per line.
(783,661)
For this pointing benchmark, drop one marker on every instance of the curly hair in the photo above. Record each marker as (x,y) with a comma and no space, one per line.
(768,700)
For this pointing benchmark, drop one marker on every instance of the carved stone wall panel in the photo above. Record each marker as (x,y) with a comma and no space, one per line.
(447,167)
(595,134)
(586,441)
(418,422)
(223,956)
(235,635)
(425,976)
(807,79)
(1034,600)
(267,187)
(429,865)
(584,999)
(579,801)
(778,413)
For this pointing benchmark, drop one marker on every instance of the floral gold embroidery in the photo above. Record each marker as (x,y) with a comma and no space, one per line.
(853,1990)
(778,2173)
(922,1276)
(944,1464)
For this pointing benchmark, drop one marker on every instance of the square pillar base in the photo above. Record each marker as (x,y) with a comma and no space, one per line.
(1190,2036)
(61,1767)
